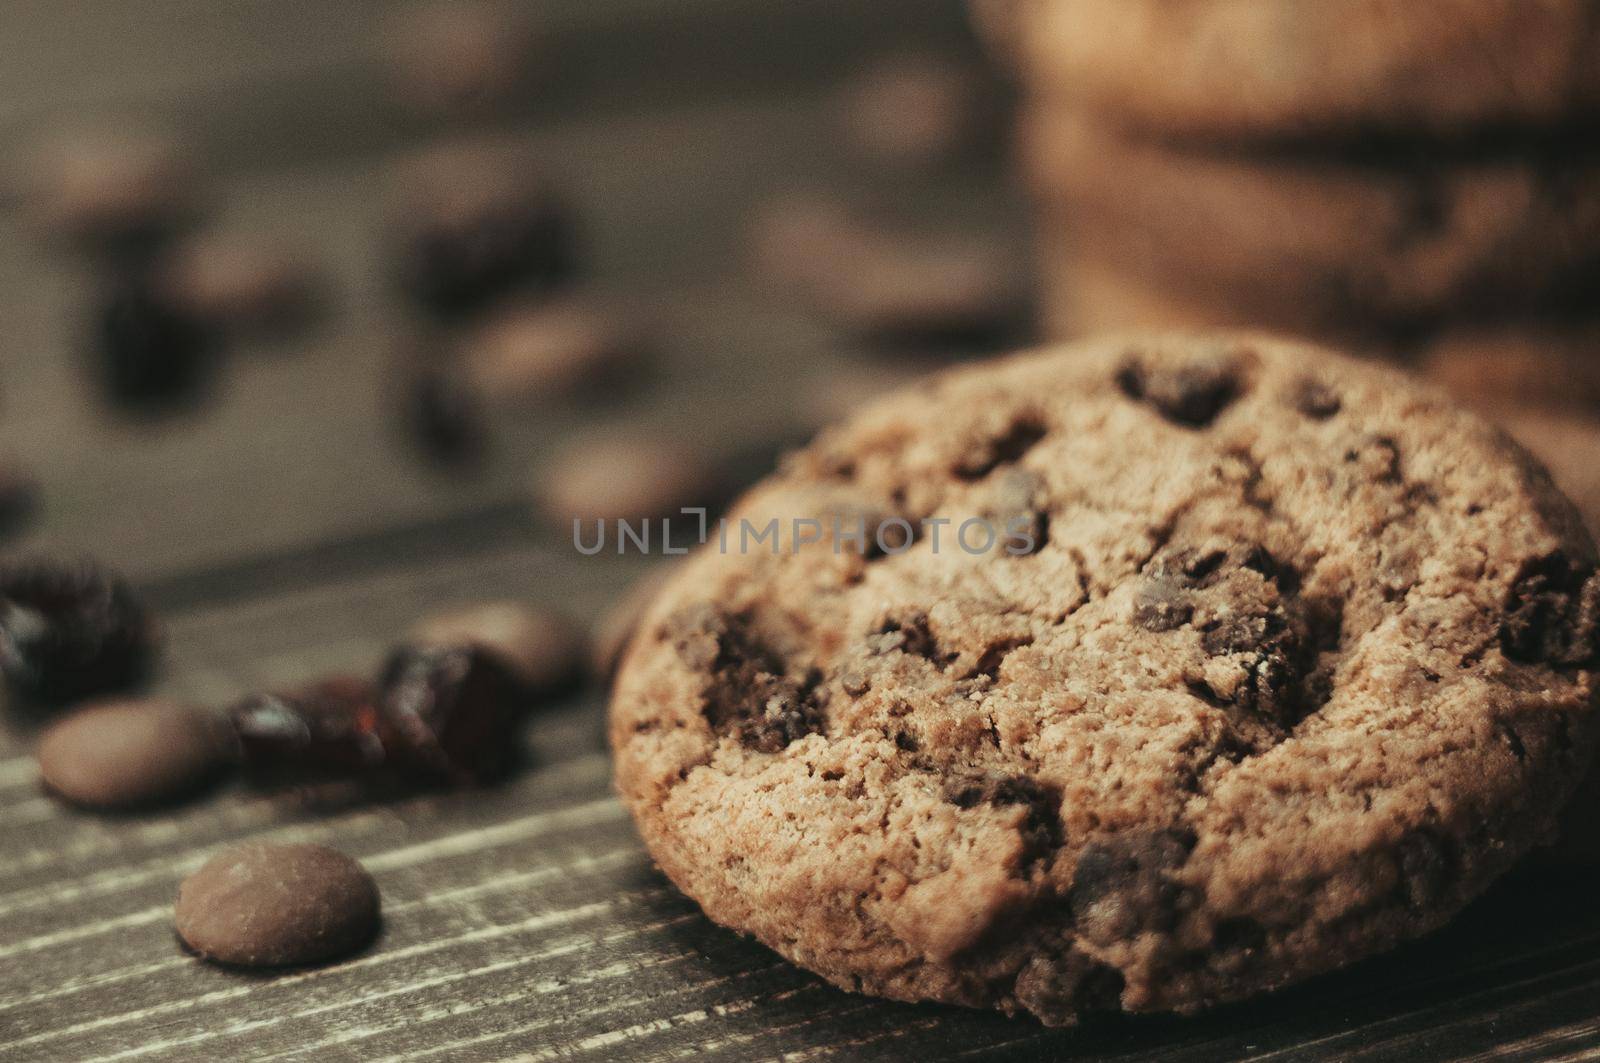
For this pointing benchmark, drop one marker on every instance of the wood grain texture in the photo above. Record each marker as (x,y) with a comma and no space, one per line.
(283,532)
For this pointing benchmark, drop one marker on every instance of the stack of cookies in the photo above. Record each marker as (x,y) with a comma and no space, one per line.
(1415,179)
(1375,168)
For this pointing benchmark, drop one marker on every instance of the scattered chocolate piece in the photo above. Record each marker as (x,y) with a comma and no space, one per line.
(798,238)
(151,351)
(548,350)
(261,905)
(121,189)
(452,708)
(627,476)
(444,415)
(911,110)
(541,649)
(70,630)
(906,290)
(453,58)
(240,285)
(331,729)
(476,226)
(617,625)
(125,754)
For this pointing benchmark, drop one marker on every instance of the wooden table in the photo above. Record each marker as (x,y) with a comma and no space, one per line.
(284,530)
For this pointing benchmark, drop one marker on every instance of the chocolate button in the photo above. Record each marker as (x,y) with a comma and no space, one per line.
(107,186)
(122,754)
(630,476)
(541,649)
(461,57)
(547,350)
(911,110)
(240,284)
(274,905)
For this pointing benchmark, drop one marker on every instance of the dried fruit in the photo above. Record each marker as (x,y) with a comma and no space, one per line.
(69,631)
(150,351)
(331,729)
(452,708)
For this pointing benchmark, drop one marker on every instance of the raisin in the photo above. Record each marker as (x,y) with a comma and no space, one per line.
(458,262)
(331,729)
(453,708)
(69,631)
(152,352)
(444,415)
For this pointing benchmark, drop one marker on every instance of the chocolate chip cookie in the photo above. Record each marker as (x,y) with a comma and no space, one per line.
(1274,68)
(1331,239)
(1274,660)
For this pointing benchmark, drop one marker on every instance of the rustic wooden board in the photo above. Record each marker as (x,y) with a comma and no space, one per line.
(283,532)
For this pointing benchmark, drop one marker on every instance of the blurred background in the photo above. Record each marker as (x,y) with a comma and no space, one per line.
(320,316)
(274,274)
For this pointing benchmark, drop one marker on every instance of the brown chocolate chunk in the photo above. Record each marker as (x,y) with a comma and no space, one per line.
(122,754)
(275,905)
(1060,989)
(1005,449)
(1192,394)
(1316,400)
(747,694)
(1553,614)
(1427,868)
(1122,886)
(1041,827)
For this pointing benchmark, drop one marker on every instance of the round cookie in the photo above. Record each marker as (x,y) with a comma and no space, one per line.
(1274,68)
(1280,660)
(1333,240)
(1083,297)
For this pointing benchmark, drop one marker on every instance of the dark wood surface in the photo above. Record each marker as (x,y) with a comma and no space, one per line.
(283,531)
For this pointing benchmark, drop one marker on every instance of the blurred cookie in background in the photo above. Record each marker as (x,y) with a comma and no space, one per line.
(1275,69)
(1555,365)
(1322,240)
